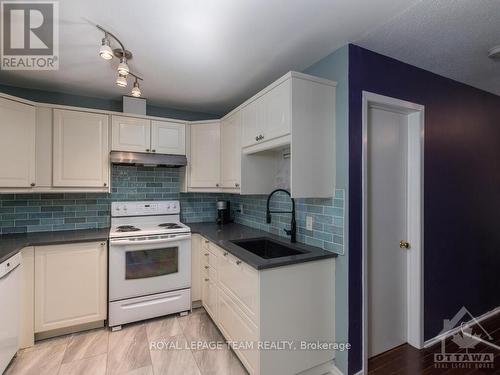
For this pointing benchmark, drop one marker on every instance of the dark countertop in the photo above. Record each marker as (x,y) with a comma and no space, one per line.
(223,234)
(10,244)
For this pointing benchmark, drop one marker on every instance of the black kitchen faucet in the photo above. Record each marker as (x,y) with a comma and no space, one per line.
(293,230)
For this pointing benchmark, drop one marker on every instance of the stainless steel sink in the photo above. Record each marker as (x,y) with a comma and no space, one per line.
(268,248)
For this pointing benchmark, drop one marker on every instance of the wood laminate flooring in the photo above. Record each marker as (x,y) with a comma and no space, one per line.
(406,360)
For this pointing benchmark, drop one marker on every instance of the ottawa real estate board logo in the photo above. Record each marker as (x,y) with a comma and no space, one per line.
(471,347)
(30,35)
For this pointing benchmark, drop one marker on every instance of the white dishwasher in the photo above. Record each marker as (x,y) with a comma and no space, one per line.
(10,309)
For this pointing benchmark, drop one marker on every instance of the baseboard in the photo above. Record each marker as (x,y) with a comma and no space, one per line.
(69,330)
(453,331)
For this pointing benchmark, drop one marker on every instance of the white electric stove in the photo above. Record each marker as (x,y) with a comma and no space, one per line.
(149,261)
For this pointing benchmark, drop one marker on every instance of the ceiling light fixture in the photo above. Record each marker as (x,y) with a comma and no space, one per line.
(107,53)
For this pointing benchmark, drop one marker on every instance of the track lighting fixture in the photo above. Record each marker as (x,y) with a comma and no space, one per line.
(107,53)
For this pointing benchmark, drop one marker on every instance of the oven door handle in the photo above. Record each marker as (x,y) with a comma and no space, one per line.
(130,241)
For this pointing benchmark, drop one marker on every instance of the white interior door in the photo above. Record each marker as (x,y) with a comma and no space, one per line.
(386,227)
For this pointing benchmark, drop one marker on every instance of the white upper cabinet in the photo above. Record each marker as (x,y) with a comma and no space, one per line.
(268,116)
(277,119)
(205,155)
(231,152)
(143,135)
(289,138)
(253,121)
(131,134)
(80,149)
(17,144)
(168,137)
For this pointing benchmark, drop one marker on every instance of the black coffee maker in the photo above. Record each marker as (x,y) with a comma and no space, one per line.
(223,212)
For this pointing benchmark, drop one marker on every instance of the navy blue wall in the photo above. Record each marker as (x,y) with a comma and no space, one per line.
(60,98)
(461,189)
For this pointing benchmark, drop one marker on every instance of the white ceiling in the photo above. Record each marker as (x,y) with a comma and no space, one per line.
(202,55)
(447,37)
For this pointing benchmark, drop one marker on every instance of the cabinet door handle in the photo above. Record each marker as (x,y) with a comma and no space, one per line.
(206,241)
(147,150)
(225,253)
(257,138)
(206,279)
(238,262)
(153,150)
(32,184)
(206,254)
(103,243)
(237,185)
(206,267)
(105,184)
(216,185)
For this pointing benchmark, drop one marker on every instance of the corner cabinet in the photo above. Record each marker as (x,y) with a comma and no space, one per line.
(17,144)
(270,305)
(70,285)
(204,169)
(81,150)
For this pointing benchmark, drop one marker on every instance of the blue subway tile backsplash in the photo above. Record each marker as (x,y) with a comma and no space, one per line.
(22,213)
(35,212)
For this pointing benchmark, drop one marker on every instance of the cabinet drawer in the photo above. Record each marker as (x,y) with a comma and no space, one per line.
(241,282)
(212,260)
(237,327)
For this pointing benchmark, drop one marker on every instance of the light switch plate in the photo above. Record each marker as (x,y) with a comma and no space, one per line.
(309,223)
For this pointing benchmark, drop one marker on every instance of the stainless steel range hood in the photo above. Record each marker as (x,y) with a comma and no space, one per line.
(147,159)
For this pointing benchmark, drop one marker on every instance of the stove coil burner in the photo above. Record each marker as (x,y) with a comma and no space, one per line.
(170,226)
(127,228)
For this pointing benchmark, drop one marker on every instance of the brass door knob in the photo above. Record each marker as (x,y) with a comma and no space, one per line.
(404,245)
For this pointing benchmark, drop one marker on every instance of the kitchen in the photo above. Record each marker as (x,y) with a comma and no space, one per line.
(141,171)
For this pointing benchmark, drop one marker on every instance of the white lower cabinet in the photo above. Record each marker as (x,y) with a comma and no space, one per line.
(239,328)
(253,307)
(70,285)
(195,267)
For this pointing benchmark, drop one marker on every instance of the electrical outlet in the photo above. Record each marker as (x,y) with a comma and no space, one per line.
(309,223)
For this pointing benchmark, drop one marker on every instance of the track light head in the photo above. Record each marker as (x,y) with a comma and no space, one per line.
(136,90)
(121,80)
(123,68)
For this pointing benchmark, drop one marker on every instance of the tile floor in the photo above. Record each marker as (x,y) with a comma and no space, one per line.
(138,349)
